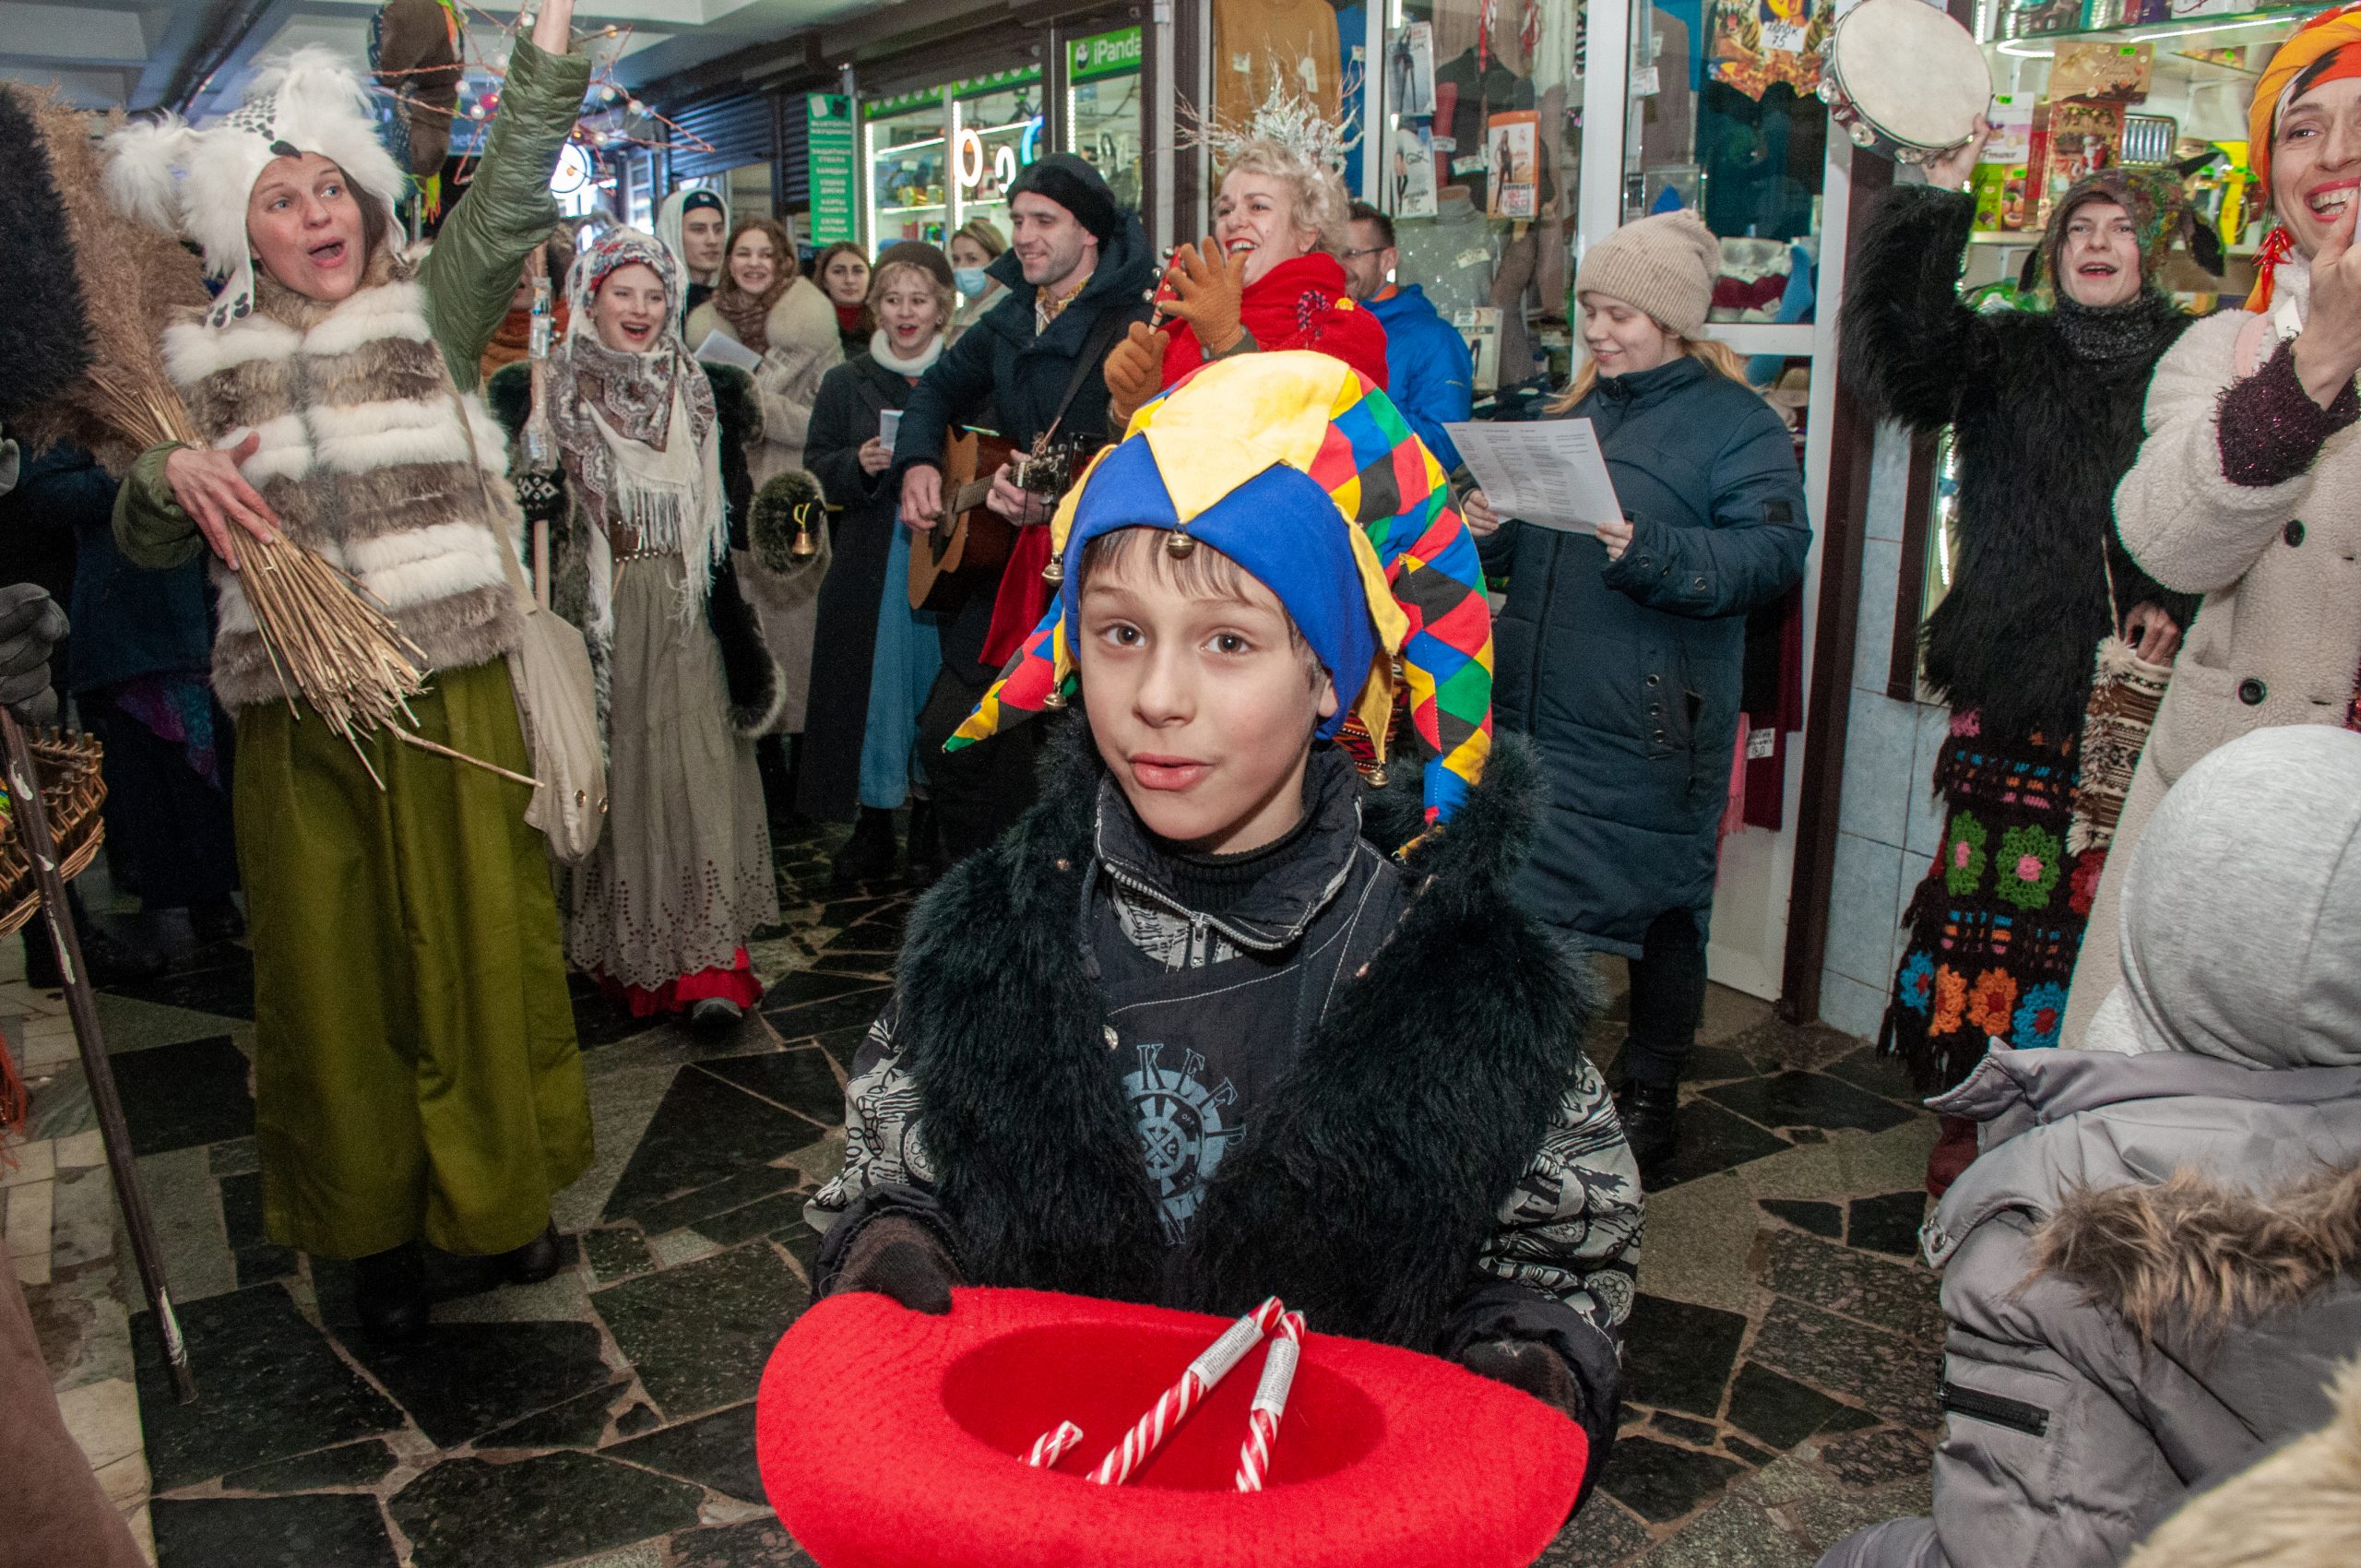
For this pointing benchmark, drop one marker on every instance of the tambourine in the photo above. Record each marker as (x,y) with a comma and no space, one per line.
(1904,80)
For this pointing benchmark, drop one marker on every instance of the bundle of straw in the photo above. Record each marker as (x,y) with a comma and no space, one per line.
(111,284)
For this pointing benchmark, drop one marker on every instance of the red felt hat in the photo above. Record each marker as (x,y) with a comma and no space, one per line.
(889,1438)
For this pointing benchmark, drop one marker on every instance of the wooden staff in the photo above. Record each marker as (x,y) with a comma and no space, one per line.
(32,819)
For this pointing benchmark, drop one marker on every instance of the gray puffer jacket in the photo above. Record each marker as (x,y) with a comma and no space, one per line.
(2066,1441)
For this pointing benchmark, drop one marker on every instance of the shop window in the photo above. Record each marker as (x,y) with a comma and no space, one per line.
(1476,160)
(1103,116)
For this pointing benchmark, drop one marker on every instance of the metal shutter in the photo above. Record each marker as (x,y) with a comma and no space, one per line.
(739,129)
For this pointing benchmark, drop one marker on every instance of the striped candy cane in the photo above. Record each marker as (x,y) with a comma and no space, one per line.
(1270,1403)
(1172,1406)
(1052,1447)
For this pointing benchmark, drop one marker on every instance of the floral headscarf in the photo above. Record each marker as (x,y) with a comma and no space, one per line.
(2161,218)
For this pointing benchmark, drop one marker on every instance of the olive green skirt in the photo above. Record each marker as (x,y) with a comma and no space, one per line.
(416,1074)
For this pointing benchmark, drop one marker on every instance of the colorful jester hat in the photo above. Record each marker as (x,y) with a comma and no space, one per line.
(1301,470)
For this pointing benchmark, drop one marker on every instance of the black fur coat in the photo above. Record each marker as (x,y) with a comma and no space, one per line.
(753,677)
(2045,411)
(1363,1195)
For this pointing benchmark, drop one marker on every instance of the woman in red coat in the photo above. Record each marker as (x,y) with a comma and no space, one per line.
(1267,278)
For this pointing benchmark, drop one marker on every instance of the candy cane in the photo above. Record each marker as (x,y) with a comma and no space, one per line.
(1270,1403)
(1052,1447)
(1172,1406)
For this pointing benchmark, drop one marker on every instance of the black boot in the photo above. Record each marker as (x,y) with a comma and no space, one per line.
(868,855)
(389,1291)
(1650,1114)
(535,1261)
(923,856)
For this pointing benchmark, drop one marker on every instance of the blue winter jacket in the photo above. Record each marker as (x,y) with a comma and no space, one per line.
(1626,674)
(1428,373)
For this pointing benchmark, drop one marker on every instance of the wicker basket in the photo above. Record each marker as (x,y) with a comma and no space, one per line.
(71,789)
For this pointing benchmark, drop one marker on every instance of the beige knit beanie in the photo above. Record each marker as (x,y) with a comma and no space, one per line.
(1664,264)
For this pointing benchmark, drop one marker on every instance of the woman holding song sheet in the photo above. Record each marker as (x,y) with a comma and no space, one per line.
(1619,652)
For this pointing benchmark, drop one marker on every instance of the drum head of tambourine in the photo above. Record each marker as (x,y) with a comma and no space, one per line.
(890,1439)
(1912,72)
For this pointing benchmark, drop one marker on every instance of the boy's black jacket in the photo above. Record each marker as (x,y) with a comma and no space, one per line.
(1363,1195)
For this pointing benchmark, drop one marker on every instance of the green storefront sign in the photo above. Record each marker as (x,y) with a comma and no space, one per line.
(836,180)
(1103,54)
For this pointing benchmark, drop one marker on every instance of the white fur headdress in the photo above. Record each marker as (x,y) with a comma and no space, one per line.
(195,182)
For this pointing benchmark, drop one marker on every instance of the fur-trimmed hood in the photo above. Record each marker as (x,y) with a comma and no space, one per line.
(1365,1192)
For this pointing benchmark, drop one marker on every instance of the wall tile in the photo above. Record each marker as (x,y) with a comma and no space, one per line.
(1914,872)
(1880,757)
(1923,810)
(1845,1003)
(1873,633)
(1861,904)
(1889,483)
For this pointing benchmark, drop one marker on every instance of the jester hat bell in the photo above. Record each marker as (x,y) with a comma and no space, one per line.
(1301,470)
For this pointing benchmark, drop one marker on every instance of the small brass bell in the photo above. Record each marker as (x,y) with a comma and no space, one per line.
(1376,777)
(1179,545)
(806,542)
(1054,571)
(1056,700)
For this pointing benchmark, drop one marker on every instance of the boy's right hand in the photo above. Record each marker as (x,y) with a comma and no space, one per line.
(896,1256)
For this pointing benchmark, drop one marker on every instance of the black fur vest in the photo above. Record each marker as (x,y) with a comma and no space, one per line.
(1363,1194)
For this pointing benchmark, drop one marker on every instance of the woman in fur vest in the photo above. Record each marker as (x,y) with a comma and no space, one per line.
(2248,489)
(2149,1274)
(1621,653)
(2044,408)
(416,1075)
(767,303)
(655,482)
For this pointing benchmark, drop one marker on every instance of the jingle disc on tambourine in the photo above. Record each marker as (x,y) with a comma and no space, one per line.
(891,1438)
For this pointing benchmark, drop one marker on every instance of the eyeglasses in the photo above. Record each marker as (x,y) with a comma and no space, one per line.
(1372,250)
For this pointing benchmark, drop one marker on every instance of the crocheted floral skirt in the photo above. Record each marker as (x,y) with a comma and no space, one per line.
(1994,929)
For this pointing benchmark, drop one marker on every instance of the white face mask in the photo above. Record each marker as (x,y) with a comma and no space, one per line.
(969,280)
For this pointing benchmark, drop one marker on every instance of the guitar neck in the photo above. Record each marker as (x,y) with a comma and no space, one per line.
(967,497)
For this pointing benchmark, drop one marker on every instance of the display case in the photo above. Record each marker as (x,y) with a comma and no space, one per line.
(2140,82)
(906,151)
(938,157)
(1102,110)
(1478,162)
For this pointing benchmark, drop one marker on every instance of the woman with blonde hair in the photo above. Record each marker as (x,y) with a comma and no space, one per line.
(973,248)
(1620,652)
(1268,276)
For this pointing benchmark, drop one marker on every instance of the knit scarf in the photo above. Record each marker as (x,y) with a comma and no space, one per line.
(880,348)
(2104,335)
(749,315)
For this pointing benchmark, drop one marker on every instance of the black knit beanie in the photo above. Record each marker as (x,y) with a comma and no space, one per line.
(1074,185)
(918,253)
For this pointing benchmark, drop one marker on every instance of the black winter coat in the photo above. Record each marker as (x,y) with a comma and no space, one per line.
(1627,673)
(2043,435)
(863,511)
(753,676)
(999,364)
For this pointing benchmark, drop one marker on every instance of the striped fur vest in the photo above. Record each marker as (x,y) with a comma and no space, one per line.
(366,460)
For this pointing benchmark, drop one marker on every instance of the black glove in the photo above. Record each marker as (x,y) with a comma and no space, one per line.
(1533,1367)
(31,625)
(896,1256)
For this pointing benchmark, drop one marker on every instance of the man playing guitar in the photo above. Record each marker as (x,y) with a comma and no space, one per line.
(1077,275)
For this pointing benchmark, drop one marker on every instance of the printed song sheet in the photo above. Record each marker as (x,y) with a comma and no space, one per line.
(1545,471)
(720,348)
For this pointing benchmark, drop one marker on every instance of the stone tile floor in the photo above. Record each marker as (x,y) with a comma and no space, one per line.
(1783,1356)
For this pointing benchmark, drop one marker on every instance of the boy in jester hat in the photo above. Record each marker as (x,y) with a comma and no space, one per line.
(1201,1028)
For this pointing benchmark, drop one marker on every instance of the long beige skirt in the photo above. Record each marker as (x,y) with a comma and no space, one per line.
(683,872)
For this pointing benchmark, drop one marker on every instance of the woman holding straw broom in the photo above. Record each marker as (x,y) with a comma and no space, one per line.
(416,1071)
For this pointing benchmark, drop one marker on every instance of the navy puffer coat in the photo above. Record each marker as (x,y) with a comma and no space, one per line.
(1626,674)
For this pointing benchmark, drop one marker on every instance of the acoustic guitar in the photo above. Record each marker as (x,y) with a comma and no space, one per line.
(970,542)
